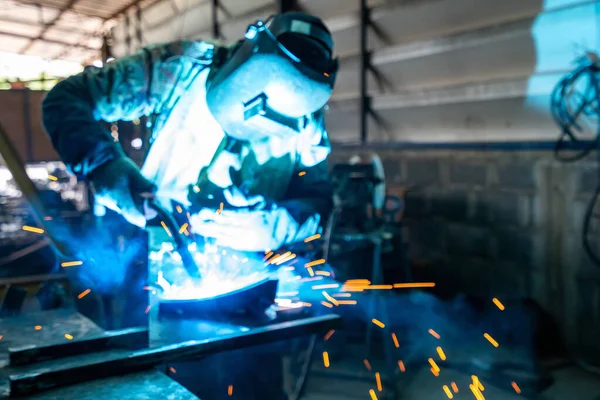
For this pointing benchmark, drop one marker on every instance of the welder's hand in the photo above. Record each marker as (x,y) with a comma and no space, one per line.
(246,229)
(119,186)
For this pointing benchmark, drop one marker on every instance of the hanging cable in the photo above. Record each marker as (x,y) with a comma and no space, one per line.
(576,100)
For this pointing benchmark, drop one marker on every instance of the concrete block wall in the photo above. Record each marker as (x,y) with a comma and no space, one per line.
(499,224)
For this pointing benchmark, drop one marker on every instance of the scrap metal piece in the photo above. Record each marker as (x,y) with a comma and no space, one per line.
(132,338)
(86,368)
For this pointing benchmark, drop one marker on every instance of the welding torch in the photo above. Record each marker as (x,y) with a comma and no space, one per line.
(17,168)
(181,243)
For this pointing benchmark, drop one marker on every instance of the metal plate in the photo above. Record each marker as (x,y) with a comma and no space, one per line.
(20,332)
(147,385)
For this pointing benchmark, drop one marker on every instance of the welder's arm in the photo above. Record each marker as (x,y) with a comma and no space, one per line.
(75,107)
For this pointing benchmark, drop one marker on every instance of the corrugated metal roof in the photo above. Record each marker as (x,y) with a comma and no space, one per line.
(63,29)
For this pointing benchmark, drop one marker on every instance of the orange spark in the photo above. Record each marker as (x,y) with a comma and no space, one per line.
(326,304)
(395,339)
(379,287)
(373,395)
(331,286)
(476,392)
(173,370)
(434,334)
(314,263)
(302,173)
(414,285)
(516,387)
(326,359)
(353,288)
(306,304)
(323,273)
(83,294)
(52,178)
(498,304)
(179,209)
(378,323)
(221,208)
(448,392)
(433,364)
(347,302)
(183,227)
(1,336)
(279,257)
(441,353)
(147,310)
(37,327)
(32,229)
(71,264)
(491,340)
(311,238)
(331,299)
(329,334)
(310,271)
(69,337)
(47,218)
(230,390)
(286,259)
(378,380)
(367,364)
(434,372)
(342,295)
(401,366)
(269,254)
(166,229)
(477,383)
(454,387)
(357,282)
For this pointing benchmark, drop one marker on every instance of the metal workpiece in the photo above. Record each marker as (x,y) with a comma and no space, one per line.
(130,338)
(48,375)
(251,301)
(149,385)
(45,328)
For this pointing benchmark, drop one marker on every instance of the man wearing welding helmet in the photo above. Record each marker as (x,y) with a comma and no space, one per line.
(236,128)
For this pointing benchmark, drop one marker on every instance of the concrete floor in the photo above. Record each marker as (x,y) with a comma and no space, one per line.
(571,383)
(348,379)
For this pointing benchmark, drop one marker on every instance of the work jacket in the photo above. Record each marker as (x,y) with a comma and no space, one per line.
(190,159)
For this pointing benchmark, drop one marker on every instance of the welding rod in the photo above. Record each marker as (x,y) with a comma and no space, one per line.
(16,166)
(181,244)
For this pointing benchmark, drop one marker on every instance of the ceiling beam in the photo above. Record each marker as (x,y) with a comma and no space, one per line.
(123,9)
(58,28)
(60,42)
(47,26)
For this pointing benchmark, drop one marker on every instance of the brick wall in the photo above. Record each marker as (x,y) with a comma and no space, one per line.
(504,224)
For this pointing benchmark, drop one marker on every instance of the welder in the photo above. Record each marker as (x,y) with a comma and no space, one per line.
(236,135)
(233,127)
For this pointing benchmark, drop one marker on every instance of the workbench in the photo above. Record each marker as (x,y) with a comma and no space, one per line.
(60,354)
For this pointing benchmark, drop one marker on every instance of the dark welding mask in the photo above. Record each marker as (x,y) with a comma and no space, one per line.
(275,79)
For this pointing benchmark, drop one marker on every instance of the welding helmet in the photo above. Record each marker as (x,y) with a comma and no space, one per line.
(280,74)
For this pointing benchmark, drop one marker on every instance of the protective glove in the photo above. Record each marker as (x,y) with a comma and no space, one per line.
(119,186)
(246,229)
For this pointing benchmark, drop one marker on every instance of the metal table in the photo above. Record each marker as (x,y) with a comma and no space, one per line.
(35,359)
